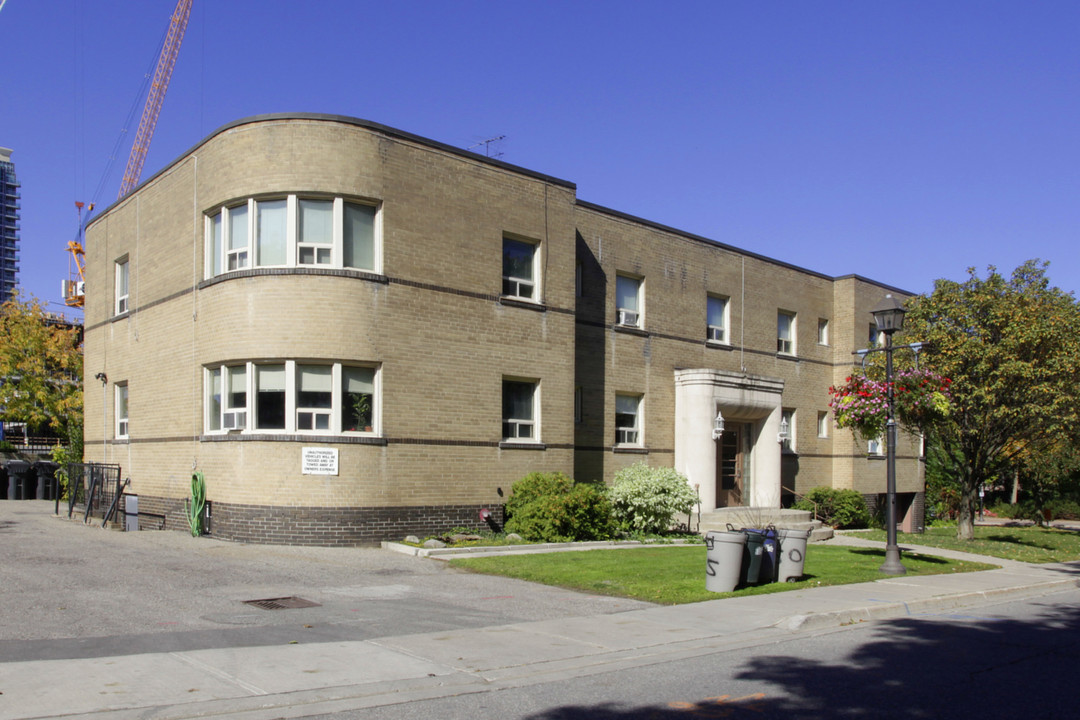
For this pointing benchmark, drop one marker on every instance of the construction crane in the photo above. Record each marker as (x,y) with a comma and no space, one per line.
(74,290)
(162,74)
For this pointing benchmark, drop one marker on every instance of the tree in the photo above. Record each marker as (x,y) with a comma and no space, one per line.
(1011,349)
(40,368)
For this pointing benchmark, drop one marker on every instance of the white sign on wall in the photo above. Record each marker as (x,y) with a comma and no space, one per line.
(320,461)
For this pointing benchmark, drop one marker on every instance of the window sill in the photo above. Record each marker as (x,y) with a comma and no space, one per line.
(512,445)
(717,345)
(630,330)
(875,457)
(292,437)
(524,303)
(629,450)
(121,316)
(787,356)
(316,270)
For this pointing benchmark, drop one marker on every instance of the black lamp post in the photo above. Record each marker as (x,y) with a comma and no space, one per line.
(889,316)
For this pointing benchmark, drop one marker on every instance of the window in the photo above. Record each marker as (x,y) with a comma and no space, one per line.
(121,411)
(519,418)
(122,286)
(519,269)
(876,446)
(322,399)
(628,301)
(292,231)
(315,243)
(788,416)
(717,319)
(579,404)
(822,331)
(823,424)
(876,338)
(628,420)
(785,333)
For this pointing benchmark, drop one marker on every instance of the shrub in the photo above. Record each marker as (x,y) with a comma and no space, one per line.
(551,507)
(645,499)
(839,508)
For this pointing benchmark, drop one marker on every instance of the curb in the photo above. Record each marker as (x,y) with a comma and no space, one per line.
(888,611)
(523,549)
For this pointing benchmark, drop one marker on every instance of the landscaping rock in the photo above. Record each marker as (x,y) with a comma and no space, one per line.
(413,540)
(514,537)
(463,537)
(434,543)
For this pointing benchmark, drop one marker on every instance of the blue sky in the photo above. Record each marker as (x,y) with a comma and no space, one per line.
(903,141)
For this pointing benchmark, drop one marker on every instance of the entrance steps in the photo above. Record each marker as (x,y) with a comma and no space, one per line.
(752,517)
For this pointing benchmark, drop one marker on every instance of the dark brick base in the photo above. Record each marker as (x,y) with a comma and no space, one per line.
(910,510)
(321,526)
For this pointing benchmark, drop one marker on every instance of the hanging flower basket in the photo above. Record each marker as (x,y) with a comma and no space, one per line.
(920,399)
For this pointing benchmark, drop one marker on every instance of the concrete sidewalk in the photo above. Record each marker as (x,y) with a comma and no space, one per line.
(293,680)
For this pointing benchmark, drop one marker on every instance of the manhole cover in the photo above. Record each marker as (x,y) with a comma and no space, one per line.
(285,603)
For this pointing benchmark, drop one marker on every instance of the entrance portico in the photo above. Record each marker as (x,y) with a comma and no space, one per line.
(741,467)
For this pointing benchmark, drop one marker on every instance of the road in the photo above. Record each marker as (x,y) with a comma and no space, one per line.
(1010,660)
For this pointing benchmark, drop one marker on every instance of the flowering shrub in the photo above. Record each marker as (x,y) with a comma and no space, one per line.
(920,398)
(644,499)
(551,507)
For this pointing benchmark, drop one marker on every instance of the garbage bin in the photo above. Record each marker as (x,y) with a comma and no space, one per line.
(723,560)
(46,472)
(751,560)
(767,568)
(791,555)
(18,479)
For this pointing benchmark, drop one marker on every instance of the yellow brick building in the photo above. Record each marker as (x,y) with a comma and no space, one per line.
(356,333)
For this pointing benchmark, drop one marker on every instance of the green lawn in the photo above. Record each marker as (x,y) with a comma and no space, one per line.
(671,575)
(1026,544)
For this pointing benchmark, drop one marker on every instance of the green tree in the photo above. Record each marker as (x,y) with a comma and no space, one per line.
(1010,347)
(40,368)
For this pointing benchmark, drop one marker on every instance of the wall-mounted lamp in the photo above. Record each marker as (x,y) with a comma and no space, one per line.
(718,426)
(102,377)
(782,436)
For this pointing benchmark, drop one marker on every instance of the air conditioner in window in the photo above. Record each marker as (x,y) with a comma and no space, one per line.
(628,317)
(236,420)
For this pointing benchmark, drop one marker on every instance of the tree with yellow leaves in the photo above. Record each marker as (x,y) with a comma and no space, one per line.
(40,368)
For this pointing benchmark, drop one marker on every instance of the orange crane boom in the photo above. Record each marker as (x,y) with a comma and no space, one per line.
(156,96)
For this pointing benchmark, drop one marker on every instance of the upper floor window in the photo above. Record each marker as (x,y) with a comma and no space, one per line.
(292,231)
(876,446)
(628,301)
(121,410)
(717,319)
(520,269)
(823,424)
(318,398)
(122,267)
(628,420)
(822,331)
(876,337)
(519,410)
(785,332)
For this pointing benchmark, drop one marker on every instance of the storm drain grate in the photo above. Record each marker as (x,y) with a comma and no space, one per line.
(284,603)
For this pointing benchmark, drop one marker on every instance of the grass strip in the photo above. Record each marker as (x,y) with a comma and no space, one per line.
(1024,544)
(672,575)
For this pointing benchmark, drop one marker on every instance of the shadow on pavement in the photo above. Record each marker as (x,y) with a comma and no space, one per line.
(980,667)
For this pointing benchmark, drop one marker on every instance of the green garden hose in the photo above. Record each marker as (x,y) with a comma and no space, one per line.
(196,504)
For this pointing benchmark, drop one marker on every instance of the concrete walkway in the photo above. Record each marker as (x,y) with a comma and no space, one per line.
(293,680)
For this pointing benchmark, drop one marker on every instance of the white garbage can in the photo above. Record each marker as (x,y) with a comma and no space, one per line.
(791,554)
(723,560)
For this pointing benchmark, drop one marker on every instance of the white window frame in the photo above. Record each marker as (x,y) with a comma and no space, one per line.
(220,259)
(875,447)
(249,412)
(122,285)
(122,409)
(628,435)
(316,248)
(790,444)
(823,424)
(786,345)
(625,315)
(513,427)
(717,334)
(823,331)
(522,288)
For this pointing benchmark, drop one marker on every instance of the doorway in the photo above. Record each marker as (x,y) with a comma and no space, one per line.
(729,467)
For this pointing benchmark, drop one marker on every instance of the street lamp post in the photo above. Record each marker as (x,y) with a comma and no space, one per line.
(889,316)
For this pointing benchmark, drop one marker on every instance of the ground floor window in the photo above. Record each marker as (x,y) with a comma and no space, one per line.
(291,397)
(519,410)
(628,420)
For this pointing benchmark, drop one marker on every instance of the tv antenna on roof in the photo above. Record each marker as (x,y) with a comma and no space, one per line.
(487,146)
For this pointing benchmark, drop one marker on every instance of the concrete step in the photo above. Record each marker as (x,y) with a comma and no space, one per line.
(784,518)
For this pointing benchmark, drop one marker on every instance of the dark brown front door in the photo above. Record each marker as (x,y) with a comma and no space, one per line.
(729,467)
